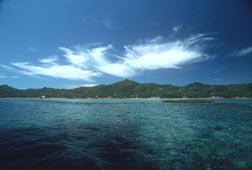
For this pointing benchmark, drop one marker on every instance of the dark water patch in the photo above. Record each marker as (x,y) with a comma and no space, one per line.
(32,154)
(216,128)
(92,128)
(123,154)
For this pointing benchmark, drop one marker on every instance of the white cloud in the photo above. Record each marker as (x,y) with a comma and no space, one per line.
(176,28)
(151,56)
(83,85)
(85,63)
(243,52)
(156,56)
(49,60)
(88,85)
(57,71)
(77,57)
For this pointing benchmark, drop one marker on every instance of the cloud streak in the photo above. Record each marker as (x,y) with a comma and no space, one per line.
(243,52)
(8,77)
(87,63)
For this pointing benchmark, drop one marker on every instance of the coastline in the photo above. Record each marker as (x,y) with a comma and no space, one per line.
(208,98)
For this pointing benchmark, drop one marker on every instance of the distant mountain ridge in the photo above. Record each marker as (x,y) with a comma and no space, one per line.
(131,89)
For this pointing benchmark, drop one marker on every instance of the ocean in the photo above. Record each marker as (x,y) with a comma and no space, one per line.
(125,134)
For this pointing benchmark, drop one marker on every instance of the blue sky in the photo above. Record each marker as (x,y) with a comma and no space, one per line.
(66,43)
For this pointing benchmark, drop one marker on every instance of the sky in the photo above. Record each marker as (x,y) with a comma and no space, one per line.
(72,43)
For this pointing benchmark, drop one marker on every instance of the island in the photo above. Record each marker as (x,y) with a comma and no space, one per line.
(132,89)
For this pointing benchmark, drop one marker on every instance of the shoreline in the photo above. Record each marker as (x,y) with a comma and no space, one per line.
(128,98)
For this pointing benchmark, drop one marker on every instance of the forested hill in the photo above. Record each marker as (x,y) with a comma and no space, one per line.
(131,89)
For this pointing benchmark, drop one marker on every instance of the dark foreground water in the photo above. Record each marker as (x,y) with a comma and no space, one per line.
(125,134)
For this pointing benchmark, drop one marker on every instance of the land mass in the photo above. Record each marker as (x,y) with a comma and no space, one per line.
(131,89)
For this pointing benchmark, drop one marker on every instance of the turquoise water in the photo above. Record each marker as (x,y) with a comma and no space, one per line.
(125,134)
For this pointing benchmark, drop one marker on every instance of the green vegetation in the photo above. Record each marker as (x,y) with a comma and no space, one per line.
(131,89)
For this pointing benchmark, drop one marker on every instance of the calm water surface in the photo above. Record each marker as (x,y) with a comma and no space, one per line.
(132,134)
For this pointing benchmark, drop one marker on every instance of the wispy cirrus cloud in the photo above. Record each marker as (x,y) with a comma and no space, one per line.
(85,63)
(7,67)
(108,24)
(8,77)
(243,52)
(152,55)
